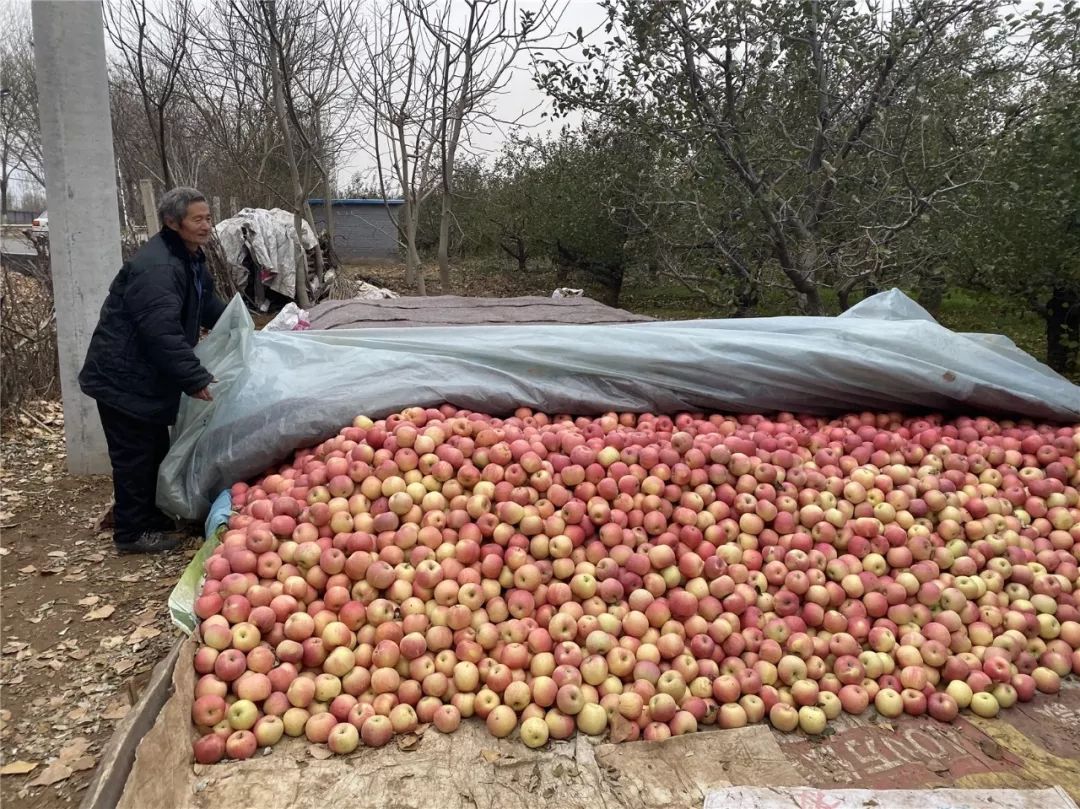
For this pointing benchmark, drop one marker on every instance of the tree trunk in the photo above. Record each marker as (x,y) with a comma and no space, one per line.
(303,300)
(444,244)
(320,264)
(328,191)
(746,300)
(611,276)
(522,256)
(1063,330)
(166,175)
(299,203)
(517,252)
(412,258)
(810,302)
(931,294)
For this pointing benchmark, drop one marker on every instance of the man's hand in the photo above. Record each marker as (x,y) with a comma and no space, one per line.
(203,394)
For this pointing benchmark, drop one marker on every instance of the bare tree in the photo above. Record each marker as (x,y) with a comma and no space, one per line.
(320,101)
(396,75)
(478,56)
(230,91)
(268,84)
(153,44)
(20,134)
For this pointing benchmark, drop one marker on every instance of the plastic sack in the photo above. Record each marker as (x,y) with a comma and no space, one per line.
(282,390)
(290,318)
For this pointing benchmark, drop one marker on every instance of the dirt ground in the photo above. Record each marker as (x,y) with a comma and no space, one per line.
(81,627)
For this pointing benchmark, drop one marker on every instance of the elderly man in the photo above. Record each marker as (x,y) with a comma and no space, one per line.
(141,359)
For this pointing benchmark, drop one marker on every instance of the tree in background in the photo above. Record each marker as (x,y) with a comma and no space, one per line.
(1024,240)
(810,141)
(153,46)
(20,133)
(477,57)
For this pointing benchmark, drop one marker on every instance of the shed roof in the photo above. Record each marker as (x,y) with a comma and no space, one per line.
(358,202)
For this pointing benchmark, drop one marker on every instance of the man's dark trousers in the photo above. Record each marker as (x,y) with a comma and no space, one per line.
(136,450)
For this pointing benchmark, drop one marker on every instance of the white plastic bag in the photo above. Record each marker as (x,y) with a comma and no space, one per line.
(290,318)
(567,292)
(281,390)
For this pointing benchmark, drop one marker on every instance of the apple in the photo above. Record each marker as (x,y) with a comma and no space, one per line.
(209,749)
(268,730)
(343,739)
(241,744)
(501,721)
(242,714)
(534,732)
(447,719)
(376,731)
(592,719)
(208,710)
(812,720)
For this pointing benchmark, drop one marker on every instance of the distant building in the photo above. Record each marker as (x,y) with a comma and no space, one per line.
(363,228)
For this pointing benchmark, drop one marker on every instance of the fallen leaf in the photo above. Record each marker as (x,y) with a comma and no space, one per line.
(57,771)
(79,654)
(620,729)
(131,578)
(75,750)
(123,666)
(100,613)
(28,569)
(5,551)
(319,751)
(18,767)
(143,633)
(118,710)
(96,557)
(89,601)
(14,646)
(77,714)
(408,742)
(490,756)
(83,763)
(58,554)
(146,618)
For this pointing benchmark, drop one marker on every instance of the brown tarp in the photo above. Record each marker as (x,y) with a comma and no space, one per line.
(452,310)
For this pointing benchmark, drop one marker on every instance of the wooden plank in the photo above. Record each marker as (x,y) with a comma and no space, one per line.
(118,756)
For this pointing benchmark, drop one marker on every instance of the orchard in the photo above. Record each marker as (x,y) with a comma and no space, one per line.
(638,575)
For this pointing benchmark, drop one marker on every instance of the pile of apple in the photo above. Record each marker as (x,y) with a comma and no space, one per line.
(639,575)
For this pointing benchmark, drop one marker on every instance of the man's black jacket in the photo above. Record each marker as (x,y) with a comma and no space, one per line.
(140,358)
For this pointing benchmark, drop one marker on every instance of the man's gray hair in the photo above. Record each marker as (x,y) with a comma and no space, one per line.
(174,203)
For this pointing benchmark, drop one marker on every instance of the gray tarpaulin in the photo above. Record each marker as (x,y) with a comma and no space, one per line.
(281,390)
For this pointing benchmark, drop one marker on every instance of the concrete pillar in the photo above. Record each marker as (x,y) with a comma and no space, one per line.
(84,221)
(149,206)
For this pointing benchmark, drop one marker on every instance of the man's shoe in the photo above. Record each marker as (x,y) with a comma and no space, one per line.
(149,542)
